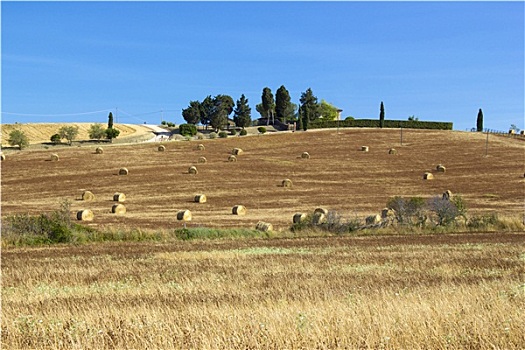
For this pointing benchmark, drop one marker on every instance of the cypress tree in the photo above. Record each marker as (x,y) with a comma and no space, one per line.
(382,115)
(479,124)
(110,120)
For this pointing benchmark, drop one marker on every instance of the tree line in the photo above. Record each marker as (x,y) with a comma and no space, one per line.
(215,111)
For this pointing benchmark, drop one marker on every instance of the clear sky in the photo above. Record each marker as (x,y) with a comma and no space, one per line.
(438,61)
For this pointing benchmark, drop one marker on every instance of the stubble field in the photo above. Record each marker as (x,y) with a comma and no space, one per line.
(338,176)
(375,291)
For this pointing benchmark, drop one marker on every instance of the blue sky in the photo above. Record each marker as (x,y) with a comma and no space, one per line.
(438,61)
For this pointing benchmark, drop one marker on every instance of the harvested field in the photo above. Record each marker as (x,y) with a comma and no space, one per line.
(388,292)
(338,177)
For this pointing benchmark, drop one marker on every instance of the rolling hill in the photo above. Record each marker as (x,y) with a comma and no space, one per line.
(338,176)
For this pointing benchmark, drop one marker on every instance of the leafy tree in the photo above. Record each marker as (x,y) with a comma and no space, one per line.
(299,118)
(284,109)
(413,118)
(222,106)
(110,120)
(242,113)
(259,108)
(268,103)
(18,138)
(381,115)
(69,133)
(112,134)
(309,107)
(56,138)
(328,110)
(479,122)
(206,110)
(192,114)
(96,131)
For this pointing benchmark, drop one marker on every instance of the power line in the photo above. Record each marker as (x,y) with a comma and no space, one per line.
(55,115)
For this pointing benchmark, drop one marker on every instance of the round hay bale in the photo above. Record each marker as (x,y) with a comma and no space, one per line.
(201,147)
(99,150)
(441,169)
(192,170)
(123,171)
(54,157)
(392,151)
(373,219)
(512,132)
(305,155)
(88,196)
(202,160)
(387,213)
(318,218)
(364,148)
(200,198)
(2,157)
(118,209)
(321,210)
(428,176)
(287,183)
(232,158)
(119,197)
(447,195)
(237,151)
(85,215)
(184,215)
(161,148)
(239,210)
(522,132)
(299,217)
(264,226)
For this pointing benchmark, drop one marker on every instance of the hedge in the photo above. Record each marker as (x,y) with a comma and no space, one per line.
(374,123)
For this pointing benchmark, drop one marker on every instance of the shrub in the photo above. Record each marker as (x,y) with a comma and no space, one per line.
(200,136)
(164,122)
(233,132)
(408,211)
(171,125)
(444,212)
(213,135)
(223,134)
(56,138)
(188,130)
(243,132)
(261,129)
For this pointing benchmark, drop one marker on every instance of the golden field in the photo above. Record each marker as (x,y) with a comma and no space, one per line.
(459,291)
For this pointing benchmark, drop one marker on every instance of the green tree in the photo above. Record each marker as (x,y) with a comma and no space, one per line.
(222,106)
(479,122)
(112,133)
(268,103)
(327,110)
(192,114)
(18,138)
(309,107)
(110,120)
(56,138)
(284,109)
(96,131)
(207,107)
(242,113)
(381,115)
(299,118)
(68,132)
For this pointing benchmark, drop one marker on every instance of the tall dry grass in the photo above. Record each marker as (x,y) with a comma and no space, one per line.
(457,291)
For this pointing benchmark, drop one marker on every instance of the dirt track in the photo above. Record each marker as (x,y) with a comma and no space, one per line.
(338,176)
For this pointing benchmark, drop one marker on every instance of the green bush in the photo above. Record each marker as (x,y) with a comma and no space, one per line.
(213,135)
(243,132)
(261,129)
(56,138)
(188,130)
(223,134)
(233,132)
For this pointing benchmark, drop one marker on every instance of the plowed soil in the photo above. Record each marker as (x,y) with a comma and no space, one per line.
(338,176)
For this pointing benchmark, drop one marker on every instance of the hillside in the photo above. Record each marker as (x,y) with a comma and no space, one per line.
(338,176)
(41,132)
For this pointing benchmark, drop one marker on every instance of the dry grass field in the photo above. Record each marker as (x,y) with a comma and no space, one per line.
(338,176)
(41,132)
(387,291)
(460,291)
